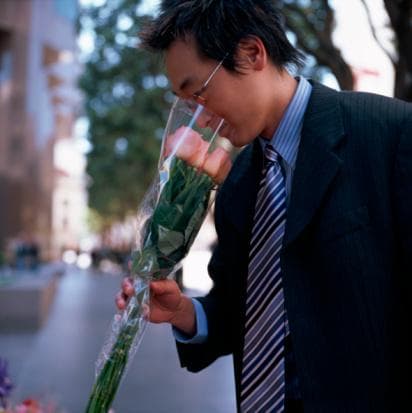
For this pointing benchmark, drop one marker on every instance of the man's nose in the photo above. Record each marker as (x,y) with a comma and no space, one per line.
(204,119)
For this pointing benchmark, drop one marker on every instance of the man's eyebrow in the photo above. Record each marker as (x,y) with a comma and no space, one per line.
(184,84)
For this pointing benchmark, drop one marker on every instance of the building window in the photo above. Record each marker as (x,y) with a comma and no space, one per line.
(5,56)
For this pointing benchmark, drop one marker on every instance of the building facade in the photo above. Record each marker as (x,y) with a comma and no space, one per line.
(39,104)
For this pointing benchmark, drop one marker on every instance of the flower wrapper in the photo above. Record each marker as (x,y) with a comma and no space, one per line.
(168,221)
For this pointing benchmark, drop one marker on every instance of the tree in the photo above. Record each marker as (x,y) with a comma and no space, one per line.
(126,103)
(313,22)
(126,100)
(400,16)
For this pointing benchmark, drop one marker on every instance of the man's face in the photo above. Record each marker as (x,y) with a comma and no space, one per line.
(229,95)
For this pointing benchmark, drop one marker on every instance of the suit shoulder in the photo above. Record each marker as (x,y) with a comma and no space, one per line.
(374,121)
(378,110)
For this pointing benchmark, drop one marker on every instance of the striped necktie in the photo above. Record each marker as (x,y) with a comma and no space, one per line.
(263,372)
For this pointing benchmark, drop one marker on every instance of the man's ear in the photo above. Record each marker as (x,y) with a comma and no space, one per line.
(251,54)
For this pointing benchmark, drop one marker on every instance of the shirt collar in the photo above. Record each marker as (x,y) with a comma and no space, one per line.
(286,138)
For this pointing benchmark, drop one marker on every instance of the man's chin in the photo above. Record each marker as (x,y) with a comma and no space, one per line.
(237,140)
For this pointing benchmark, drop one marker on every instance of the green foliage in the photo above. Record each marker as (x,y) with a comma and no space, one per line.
(126,104)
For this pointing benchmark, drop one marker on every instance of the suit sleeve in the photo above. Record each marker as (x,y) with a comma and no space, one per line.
(399,329)
(403,195)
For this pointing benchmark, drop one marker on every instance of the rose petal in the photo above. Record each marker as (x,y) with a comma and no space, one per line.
(217,165)
(189,146)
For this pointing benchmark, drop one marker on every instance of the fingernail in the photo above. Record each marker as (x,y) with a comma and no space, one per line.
(146,310)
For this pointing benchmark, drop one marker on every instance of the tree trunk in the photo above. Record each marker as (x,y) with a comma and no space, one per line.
(339,68)
(313,25)
(400,14)
(403,79)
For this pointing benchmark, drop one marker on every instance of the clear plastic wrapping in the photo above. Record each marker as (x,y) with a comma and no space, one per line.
(168,221)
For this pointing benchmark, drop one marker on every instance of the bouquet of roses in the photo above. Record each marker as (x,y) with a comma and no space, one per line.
(190,166)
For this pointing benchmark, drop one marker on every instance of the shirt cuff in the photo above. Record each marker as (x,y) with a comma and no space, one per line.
(201,327)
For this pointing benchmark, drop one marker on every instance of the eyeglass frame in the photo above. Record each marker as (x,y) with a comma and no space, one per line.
(196,96)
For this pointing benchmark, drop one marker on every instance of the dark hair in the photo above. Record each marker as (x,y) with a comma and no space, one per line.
(218,26)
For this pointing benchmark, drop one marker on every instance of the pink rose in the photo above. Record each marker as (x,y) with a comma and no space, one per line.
(189,146)
(217,165)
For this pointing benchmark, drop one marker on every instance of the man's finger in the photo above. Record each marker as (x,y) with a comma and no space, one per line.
(127,287)
(146,311)
(161,287)
(120,301)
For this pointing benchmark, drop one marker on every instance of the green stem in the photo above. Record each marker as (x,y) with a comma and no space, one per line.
(108,380)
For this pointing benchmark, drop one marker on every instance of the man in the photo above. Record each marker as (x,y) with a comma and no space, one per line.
(312,271)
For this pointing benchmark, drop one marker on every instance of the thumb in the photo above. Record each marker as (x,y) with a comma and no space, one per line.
(161,287)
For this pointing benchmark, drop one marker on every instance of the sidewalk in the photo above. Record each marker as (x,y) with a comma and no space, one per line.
(58,362)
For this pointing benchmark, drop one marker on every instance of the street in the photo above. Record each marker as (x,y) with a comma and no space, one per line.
(57,362)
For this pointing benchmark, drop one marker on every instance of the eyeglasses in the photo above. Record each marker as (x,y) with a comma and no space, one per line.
(197,96)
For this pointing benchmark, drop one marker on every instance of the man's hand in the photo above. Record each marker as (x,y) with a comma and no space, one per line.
(167,304)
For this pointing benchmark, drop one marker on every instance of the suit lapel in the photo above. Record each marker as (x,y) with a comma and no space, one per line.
(316,166)
(317,163)
(244,184)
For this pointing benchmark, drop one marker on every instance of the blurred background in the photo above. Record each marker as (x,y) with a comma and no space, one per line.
(82,111)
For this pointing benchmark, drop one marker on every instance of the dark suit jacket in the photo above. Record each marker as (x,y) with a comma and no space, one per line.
(346,260)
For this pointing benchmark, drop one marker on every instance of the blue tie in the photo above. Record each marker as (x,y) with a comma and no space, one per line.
(263,372)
